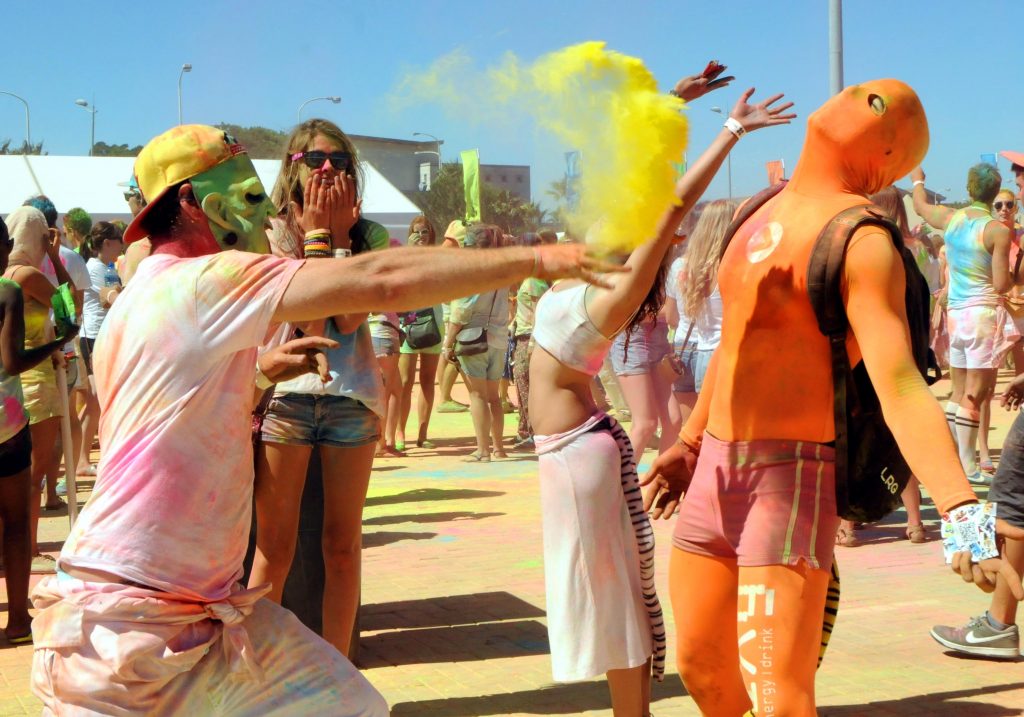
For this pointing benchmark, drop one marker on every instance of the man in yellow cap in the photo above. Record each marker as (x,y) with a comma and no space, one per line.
(146,615)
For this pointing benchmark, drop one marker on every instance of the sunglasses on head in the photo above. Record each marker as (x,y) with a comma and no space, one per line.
(1004,205)
(315,159)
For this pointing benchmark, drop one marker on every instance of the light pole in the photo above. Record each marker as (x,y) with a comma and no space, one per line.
(438,152)
(835,47)
(91,109)
(28,123)
(728,158)
(187,67)
(332,98)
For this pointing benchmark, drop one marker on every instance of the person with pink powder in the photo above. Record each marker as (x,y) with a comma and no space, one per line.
(145,614)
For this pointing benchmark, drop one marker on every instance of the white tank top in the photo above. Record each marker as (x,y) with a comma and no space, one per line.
(563,329)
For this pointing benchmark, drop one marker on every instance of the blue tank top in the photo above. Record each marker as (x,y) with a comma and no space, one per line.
(970,263)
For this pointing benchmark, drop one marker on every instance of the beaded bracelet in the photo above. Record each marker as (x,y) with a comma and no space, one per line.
(318,232)
(317,246)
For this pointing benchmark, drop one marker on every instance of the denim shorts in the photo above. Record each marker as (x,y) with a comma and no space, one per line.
(384,346)
(648,345)
(686,382)
(1008,484)
(700,363)
(300,419)
(487,365)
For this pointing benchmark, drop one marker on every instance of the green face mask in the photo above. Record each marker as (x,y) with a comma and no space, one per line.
(236,204)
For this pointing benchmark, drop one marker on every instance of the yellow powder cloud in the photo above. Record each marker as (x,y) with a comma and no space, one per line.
(605,104)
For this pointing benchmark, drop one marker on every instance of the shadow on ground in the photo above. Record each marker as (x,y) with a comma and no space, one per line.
(446,611)
(384,537)
(938,704)
(459,643)
(557,699)
(423,495)
(429,517)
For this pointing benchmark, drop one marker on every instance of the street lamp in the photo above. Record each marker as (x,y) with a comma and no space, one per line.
(184,68)
(28,124)
(728,158)
(91,109)
(332,98)
(438,152)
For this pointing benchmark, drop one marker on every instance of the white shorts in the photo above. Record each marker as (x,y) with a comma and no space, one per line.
(972,336)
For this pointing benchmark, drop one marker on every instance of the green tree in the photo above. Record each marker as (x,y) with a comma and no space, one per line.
(102,149)
(260,142)
(446,201)
(23,148)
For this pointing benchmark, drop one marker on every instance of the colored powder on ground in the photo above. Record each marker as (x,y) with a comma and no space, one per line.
(605,104)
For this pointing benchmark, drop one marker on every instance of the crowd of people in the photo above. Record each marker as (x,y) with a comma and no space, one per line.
(290,322)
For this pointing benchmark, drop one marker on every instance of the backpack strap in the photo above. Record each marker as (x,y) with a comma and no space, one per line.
(747,210)
(824,287)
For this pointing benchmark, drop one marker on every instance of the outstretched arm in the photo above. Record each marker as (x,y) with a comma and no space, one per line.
(610,309)
(937,217)
(412,277)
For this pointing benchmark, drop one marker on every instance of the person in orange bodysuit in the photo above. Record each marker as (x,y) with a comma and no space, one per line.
(754,539)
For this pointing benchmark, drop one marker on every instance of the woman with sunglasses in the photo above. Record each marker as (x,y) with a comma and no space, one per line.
(421,233)
(1010,317)
(317,194)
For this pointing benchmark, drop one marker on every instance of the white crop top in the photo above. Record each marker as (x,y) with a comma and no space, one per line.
(563,329)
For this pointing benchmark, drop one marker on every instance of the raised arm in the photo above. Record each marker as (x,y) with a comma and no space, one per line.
(413,277)
(937,217)
(610,309)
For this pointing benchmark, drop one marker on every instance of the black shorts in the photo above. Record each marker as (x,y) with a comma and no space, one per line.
(87,346)
(1008,484)
(16,453)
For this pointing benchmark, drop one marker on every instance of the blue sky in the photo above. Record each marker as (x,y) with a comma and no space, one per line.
(255,62)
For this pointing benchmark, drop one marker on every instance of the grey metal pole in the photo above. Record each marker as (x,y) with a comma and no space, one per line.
(187,67)
(728,166)
(92,132)
(835,46)
(28,119)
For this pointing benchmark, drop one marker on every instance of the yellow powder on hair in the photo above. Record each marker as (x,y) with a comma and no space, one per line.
(605,104)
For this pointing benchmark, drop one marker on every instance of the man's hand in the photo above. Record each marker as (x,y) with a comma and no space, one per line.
(669,477)
(53,245)
(694,86)
(67,330)
(564,261)
(917,175)
(1014,394)
(762,114)
(296,358)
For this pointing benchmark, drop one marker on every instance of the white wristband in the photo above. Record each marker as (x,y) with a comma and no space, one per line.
(918,181)
(342,253)
(735,127)
(262,382)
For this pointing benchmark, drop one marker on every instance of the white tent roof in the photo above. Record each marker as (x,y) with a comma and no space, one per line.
(93,184)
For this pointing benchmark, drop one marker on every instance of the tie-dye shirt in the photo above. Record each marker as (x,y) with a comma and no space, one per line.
(12,402)
(970,263)
(175,364)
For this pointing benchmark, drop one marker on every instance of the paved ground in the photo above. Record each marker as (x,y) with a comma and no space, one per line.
(453,620)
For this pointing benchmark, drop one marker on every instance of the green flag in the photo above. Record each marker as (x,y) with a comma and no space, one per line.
(471,181)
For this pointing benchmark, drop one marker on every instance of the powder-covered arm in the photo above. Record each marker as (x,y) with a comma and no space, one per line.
(874,290)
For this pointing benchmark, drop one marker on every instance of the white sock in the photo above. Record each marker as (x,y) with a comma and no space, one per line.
(951,407)
(967,438)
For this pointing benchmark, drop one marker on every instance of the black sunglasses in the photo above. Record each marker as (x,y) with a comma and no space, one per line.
(341,161)
(1004,205)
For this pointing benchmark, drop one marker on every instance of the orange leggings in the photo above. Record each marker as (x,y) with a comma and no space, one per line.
(747,638)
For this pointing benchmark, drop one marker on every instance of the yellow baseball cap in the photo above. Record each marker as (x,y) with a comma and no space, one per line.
(457,231)
(169,159)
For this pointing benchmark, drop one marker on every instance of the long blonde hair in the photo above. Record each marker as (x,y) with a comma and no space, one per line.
(289,187)
(704,253)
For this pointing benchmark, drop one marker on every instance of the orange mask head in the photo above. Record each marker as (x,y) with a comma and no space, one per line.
(870,134)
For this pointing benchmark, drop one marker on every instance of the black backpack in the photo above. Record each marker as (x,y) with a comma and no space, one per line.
(870,469)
